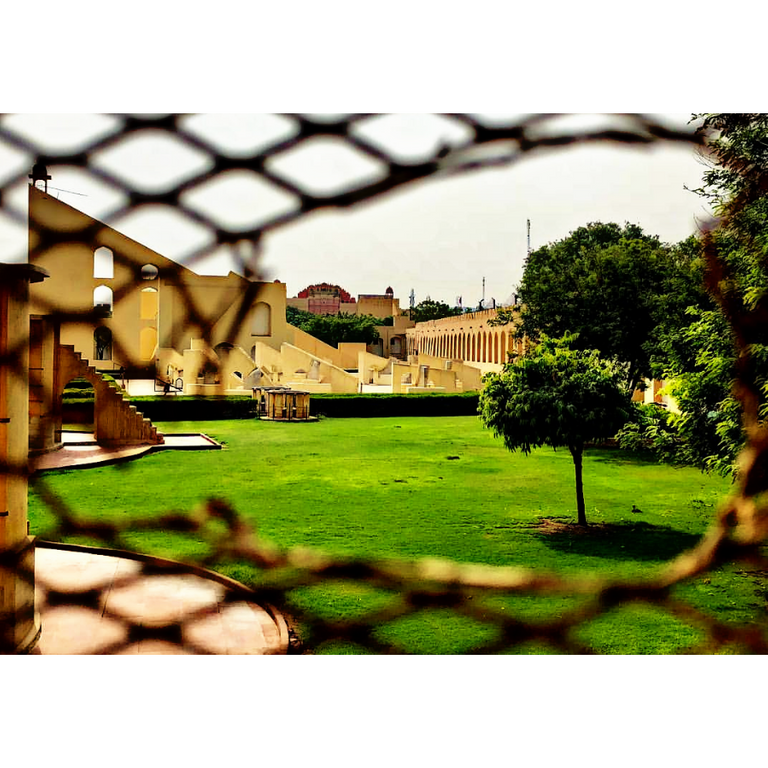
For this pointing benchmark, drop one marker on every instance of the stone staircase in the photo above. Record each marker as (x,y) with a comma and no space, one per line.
(116,421)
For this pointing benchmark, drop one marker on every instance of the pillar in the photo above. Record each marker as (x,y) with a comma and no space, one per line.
(19,622)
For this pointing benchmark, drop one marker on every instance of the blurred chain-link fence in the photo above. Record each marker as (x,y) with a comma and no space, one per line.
(281,167)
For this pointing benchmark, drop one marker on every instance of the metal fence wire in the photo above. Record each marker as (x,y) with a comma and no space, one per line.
(736,535)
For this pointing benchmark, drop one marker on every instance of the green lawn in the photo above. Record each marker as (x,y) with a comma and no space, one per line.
(416,487)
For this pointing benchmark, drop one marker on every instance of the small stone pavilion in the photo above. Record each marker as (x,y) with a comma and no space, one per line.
(282,404)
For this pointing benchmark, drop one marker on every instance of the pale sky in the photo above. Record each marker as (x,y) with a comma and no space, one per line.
(437,237)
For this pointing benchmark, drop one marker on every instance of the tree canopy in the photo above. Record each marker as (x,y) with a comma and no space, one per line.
(334,329)
(432,310)
(702,357)
(559,396)
(616,287)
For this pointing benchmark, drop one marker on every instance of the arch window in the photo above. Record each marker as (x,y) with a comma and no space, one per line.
(102,297)
(102,343)
(103,264)
(261,320)
(149,272)
(149,303)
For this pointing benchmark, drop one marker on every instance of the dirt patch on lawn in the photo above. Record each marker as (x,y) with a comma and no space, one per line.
(554,525)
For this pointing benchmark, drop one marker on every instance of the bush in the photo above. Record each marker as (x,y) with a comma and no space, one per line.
(184,408)
(650,429)
(374,406)
(189,408)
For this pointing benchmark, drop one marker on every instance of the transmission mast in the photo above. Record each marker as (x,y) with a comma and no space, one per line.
(528,225)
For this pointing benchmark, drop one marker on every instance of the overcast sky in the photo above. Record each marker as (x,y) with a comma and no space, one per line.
(438,237)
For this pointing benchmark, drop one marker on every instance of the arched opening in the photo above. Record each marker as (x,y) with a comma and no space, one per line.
(77,404)
(261,320)
(102,343)
(103,264)
(149,303)
(149,272)
(147,343)
(102,297)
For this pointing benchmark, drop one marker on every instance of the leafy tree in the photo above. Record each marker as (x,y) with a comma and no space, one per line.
(505,315)
(559,396)
(701,372)
(649,429)
(737,152)
(432,310)
(334,329)
(615,287)
(701,358)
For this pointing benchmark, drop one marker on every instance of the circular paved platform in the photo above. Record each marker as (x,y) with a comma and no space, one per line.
(80,451)
(156,600)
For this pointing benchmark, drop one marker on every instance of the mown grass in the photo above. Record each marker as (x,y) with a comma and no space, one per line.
(414,487)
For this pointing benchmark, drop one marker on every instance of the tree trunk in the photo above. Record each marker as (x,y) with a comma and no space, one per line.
(577,451)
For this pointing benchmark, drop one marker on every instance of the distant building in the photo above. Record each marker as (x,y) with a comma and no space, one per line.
(328,299)
(324,299)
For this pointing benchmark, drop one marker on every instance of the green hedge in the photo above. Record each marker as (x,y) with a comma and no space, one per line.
(369,405)
(189,408)
(77,412)
(185,408)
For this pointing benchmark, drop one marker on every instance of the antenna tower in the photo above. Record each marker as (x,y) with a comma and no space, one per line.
(528,224)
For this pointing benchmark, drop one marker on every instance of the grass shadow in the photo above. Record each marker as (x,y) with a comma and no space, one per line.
(606,455)
(629,541)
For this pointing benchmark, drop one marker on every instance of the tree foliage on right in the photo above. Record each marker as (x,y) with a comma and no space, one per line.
(559,396)
(617,287)
(700,356)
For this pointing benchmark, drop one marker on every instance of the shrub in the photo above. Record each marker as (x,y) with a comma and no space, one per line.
(370,405)
(185,408)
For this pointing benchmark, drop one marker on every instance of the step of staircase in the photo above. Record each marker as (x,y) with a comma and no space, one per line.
(136,428)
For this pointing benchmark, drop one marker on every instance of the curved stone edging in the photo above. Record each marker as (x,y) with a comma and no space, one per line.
(194,570)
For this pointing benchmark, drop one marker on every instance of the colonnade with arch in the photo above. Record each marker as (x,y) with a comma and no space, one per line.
(480,345)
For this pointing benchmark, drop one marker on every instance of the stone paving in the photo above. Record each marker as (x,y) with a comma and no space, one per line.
(81,450)
(233,628)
